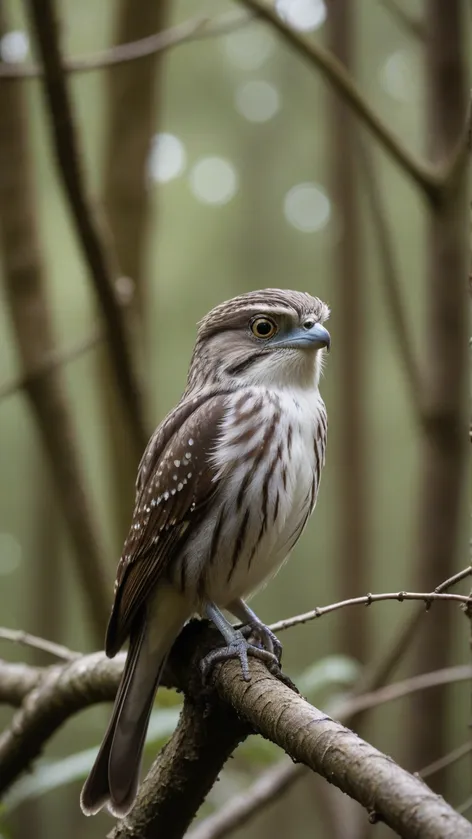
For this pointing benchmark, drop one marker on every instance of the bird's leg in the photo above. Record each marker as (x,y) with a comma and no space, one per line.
(236,646)
(255,629)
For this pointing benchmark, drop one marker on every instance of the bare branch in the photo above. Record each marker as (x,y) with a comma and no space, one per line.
(241,808)
(61,692)
(367,600)
(267,705)
(445,368)
(447,760)
(312,738)
(128,203)
(17,636)
(465,806)
(371,185)
(456,578)
(184,772)
(275,781)
(50,362)
(17,681)
(195,29)
(90,231)
(353,545)
(349,708)
(429,179)
(28,304)
(410,24)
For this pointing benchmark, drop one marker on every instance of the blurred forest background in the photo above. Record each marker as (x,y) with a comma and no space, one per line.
(222,164)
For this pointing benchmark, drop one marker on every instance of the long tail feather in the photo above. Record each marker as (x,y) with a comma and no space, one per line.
(114,776)
(113,780)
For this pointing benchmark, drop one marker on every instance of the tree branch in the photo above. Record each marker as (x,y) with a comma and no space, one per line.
(411,25)
(17,681)
(269,786)
(28,304)
(50,362)
(367,600)
(371,184)
(432,180)
(443,762)
(195,29)
(445,367)
(276,780)
(128,201)
(310,737)
(184,772)
(265,704)
(90,230)
(17,636)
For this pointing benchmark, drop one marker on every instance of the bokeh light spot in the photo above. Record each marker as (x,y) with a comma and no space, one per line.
(14,46)
(258,101)
(304,15)
(249,48)
(213,180)
(399,76)
(167,158)
(307,207)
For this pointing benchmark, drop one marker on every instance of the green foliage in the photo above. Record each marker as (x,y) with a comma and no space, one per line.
(51,775)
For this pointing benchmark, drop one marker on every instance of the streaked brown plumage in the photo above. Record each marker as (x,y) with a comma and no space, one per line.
(224,489)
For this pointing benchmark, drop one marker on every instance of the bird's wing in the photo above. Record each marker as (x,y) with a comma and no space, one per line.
(176,481)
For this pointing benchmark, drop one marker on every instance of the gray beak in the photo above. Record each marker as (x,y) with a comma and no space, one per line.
(319,336)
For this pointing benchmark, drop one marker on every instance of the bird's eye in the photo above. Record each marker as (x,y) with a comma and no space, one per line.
(263,328)
(309,324)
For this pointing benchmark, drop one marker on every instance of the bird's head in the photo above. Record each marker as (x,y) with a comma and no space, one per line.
(271,337)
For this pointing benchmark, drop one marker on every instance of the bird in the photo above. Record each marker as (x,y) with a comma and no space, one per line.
(224,490)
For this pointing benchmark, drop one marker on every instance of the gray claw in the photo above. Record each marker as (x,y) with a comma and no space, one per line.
(240,648)
(261,633)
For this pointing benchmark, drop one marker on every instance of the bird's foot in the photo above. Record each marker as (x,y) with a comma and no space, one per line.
(260,635)
(240,648)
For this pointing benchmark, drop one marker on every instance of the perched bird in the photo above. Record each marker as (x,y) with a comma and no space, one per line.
(224,490)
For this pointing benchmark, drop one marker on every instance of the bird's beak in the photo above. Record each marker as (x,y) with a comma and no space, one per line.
(315,338)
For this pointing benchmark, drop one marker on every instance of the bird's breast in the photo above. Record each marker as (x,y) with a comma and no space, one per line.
(269,457)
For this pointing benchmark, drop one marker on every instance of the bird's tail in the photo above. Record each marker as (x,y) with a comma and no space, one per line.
(114,777)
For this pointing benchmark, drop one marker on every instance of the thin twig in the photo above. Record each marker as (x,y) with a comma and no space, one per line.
(350,707)
(431,180)
(447,760)
(456,578)
(90,232)
(411,25)
(17,636)
(243,806)
(371,184)
(195,29)
(367,600)
(51,362)
(465,806)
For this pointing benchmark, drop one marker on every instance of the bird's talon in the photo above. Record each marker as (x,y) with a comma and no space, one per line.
(239,648)
(261,636)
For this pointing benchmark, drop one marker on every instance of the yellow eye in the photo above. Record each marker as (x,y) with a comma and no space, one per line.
(263,327)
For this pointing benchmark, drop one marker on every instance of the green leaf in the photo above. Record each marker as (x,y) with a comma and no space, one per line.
(329,671)
(50,775)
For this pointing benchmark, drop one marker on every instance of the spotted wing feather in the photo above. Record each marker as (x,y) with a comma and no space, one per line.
(176,482)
